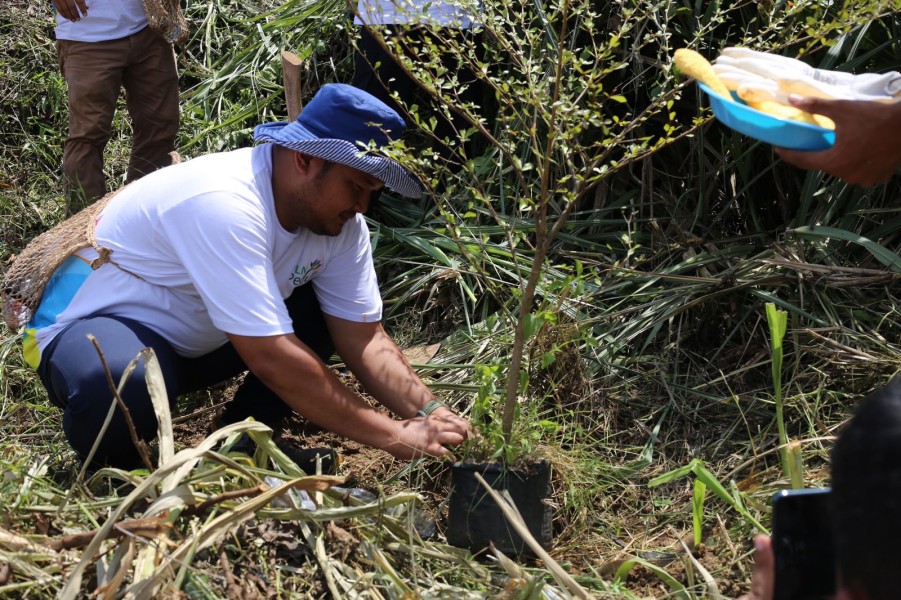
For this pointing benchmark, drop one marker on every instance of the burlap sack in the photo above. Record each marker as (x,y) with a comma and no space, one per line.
(167,19)
(24,282)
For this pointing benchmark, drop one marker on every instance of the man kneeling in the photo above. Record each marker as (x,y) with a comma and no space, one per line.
(257,259)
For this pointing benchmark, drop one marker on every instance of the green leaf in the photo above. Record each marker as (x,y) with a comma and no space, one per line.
(669,580)
(547,359)
(674,474)
(531,324)
(697,510)
(880,253)
(778,322)
(549,426)
(715,486)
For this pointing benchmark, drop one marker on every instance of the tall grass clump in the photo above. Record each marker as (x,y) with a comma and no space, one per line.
(597,199)
(591,189)
(231,75)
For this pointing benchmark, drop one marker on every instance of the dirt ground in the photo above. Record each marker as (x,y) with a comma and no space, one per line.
(377,471)
(365,467)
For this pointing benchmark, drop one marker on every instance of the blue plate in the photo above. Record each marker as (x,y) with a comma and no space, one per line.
(737,115)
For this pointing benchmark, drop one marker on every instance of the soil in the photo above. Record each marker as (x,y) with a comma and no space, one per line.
(364,466)
(376,471)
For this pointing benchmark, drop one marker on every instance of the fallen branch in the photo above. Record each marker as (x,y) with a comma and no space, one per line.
(130,527)
(139,444)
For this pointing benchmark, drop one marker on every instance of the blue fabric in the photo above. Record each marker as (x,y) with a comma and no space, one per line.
(783,133)
(73,375)
(60,289)
(342,112)
(58,293)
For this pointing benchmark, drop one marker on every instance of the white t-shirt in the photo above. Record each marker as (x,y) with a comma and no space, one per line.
(425,12)
(106,20)
(210,257)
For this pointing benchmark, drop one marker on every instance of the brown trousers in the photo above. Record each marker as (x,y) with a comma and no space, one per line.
(142,63)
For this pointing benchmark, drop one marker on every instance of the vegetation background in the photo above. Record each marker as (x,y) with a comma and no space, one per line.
(649,364)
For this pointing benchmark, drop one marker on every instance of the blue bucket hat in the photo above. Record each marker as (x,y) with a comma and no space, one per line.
(338,125)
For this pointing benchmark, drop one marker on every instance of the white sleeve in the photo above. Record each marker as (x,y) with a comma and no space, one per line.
(224,246)
(347,287)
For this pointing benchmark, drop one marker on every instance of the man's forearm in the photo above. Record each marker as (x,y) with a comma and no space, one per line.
(291,370)
(381,368)
(311,389)
(392,381)
(307,385)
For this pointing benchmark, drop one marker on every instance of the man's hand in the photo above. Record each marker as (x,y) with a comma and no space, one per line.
(867,148)
(764,570)
(71,9)
(430,435)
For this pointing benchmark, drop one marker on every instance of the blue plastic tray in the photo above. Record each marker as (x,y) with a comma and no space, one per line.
(794,135)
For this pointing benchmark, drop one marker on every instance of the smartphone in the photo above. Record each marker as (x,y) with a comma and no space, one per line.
(803,545)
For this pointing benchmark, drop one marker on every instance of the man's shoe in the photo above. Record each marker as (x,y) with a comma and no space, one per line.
(305,458)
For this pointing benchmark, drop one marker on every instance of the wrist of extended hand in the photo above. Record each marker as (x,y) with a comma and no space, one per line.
(430,407)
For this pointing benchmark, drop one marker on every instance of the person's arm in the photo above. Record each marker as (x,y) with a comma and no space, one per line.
(867,148)
(290,369)
(764,570)
(72,10)
(379,365)
(383,370)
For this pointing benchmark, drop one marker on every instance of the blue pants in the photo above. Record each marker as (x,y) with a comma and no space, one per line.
(73,375)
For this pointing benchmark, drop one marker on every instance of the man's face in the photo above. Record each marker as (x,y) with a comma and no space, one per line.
(327,198)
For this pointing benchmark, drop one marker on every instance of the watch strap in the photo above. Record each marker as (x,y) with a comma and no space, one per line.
(430,408)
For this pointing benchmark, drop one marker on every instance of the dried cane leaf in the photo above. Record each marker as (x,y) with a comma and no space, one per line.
(713,590)
(225,523)
(562,577)
(156,386)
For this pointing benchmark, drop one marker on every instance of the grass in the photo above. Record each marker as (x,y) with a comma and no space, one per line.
(653,361)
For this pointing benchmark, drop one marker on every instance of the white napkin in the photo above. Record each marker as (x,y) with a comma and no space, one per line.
(742,66)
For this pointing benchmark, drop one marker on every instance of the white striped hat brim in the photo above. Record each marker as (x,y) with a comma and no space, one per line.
(296,137)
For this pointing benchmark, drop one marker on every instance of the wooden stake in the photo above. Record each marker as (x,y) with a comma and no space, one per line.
(291,67)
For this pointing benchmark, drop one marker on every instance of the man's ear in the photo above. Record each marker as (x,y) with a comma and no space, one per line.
(303,163)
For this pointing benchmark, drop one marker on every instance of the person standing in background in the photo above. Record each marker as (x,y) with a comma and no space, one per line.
(102,46)
(416,23)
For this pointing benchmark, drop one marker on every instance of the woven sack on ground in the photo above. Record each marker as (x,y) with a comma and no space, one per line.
(23,283)
(167,19)
(25,280)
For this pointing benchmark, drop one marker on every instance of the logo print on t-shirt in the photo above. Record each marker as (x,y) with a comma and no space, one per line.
(303,274)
